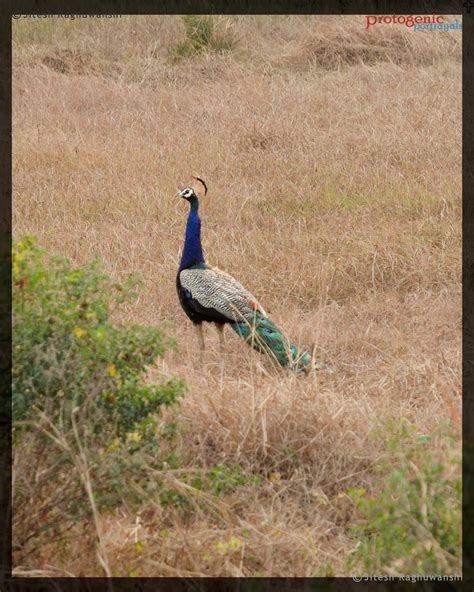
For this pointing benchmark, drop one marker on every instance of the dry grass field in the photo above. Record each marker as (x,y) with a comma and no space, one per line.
(333,159)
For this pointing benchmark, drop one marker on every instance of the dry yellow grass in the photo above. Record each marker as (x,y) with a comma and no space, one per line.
(333,158)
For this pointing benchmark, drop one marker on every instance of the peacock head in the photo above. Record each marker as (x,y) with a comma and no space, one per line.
(189,194)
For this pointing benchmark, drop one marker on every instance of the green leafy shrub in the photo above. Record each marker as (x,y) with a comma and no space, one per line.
(412,525)
(201,37)
(83,411)
(67,352)
(222,479)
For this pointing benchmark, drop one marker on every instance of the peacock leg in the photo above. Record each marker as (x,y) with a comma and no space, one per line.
(200,334)
(220,331)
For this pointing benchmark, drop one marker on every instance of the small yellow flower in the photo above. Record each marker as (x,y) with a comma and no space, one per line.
(133,437)
(221,547)
(78,332)
(111,370)
(235,543)
(114,445)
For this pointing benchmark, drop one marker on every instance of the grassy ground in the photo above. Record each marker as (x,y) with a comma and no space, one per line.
(333,159)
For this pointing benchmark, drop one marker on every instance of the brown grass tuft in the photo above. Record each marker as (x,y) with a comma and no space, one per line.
(349,44)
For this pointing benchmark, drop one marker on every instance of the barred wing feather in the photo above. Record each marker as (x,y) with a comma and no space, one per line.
(218,290)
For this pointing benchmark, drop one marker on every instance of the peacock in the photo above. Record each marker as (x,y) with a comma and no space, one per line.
(208,294)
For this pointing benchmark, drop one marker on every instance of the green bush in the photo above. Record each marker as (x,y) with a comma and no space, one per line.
(83,411)
(412,525)
(201,37)
(68,353)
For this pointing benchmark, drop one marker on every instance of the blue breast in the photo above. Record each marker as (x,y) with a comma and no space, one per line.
(192,251)
(186,293)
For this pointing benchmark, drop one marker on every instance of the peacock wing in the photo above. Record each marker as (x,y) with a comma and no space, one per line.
(217,290)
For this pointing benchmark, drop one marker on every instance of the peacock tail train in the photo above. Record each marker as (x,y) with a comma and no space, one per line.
(264,336)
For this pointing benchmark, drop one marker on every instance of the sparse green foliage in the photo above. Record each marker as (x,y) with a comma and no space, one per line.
(219,480)
(79,387)
(222,479)
(412,525)
(325,570)
(202,36)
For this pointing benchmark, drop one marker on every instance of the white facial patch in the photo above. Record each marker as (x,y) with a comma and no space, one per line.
(187,192)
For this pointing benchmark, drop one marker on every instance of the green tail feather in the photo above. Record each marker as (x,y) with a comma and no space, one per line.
(265,337)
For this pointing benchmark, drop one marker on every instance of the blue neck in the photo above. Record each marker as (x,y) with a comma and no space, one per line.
(192,251)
